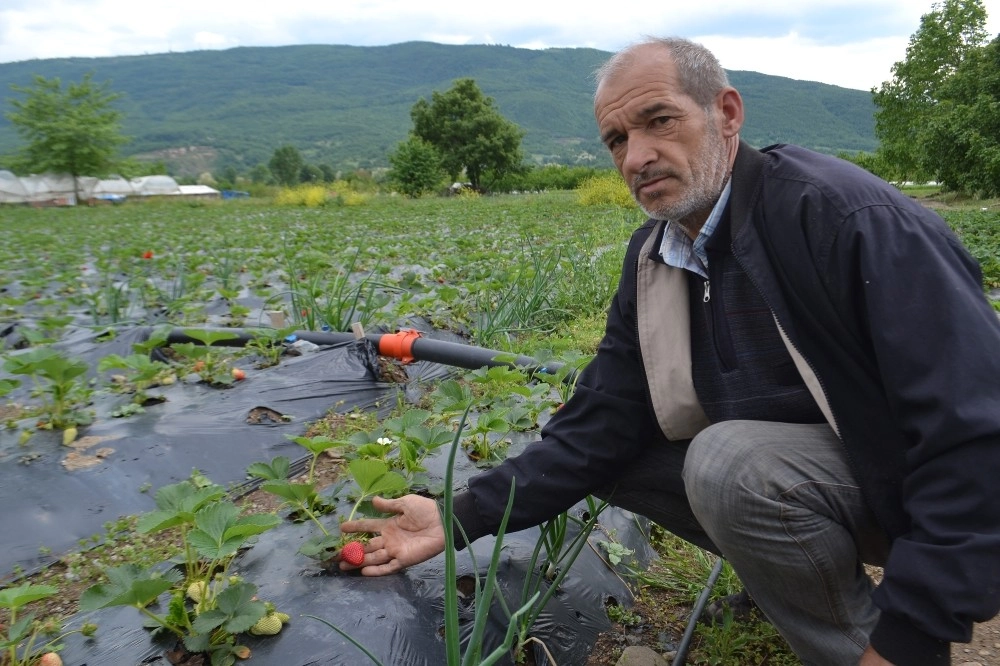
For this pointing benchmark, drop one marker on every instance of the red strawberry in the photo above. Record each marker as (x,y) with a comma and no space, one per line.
(353,553)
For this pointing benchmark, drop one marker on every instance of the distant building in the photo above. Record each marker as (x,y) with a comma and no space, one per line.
(60,190)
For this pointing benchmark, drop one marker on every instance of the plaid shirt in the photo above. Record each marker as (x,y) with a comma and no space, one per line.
(679,251)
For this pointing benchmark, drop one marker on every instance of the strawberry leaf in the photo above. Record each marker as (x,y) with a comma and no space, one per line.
(297,493)
(209,337)
(15,597)
(374,477)
(130,585)
(277,470)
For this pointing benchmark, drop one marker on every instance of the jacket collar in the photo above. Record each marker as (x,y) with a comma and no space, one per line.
(748,171)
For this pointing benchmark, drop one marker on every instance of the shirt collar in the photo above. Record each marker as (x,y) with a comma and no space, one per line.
(678,250)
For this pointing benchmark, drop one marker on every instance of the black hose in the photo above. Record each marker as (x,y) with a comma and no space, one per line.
(685,644)
(423,349)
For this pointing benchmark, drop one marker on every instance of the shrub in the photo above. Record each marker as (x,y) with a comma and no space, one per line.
(311,196)
(353,198)
(605,189)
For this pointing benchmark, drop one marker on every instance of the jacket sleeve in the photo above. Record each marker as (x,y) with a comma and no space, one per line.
(604,425)
(935,340)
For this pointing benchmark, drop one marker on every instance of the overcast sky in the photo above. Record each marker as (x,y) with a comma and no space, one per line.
(850,43)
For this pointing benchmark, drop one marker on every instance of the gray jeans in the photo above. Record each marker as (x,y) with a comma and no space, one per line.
(780,503)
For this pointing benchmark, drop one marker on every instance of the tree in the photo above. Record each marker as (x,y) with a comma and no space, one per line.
(310,173)
(329,175)
(73,130)
(416,167)
(260,174)
(469,133)
(964,135)
(286,165)
(905,105)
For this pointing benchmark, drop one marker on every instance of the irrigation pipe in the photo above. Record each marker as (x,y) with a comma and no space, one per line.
(406,346)
(685,644)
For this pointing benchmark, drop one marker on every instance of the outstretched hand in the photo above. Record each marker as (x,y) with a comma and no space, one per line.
(411,536)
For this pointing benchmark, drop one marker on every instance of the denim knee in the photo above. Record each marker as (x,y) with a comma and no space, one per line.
(718,468)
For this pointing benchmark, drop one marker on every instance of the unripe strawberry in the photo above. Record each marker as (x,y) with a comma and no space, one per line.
(284,617)
(353,553)
(196,591)
(269,625)
(50,659)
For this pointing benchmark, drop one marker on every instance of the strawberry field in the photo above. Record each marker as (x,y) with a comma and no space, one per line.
(106,416)
(122,394)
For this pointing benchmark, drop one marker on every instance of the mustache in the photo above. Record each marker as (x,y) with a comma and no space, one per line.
(649,176)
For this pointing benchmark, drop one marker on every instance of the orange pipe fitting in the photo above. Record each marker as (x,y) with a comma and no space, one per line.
(398,345)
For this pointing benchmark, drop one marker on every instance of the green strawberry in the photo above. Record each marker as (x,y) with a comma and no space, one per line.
(269,625)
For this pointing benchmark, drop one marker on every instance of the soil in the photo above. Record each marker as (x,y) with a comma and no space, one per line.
(664,621)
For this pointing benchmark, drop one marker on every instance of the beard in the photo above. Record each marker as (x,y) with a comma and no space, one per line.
(709,171)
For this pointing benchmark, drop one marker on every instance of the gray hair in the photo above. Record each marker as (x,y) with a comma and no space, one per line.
(701,76)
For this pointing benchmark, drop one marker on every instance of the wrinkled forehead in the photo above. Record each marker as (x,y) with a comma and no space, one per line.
(644,68)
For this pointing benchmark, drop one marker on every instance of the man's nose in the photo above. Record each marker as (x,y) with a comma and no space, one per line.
(640,153)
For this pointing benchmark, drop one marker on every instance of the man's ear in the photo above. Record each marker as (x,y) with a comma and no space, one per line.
(729,107)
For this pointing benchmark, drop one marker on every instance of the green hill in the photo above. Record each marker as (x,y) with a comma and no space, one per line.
(348,106)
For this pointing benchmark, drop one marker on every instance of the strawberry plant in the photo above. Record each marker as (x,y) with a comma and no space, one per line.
(487,441)
(373,477)
(143,373)
(207,361)
(301,496)
(25,641)
(58,383)
(415,438)
(8,385)
(268,344)
(207,607)
(485,590)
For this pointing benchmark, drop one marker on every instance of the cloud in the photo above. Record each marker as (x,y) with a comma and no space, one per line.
(846,42)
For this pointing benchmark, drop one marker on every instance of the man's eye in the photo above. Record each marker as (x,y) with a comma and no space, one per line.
(616,141)
(661,120)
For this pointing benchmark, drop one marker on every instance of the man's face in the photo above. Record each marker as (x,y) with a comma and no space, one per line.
(667,148)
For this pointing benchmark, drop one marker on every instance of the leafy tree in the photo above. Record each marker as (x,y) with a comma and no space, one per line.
(329,174)
(905,105)
(226,178)
(260,174)
(286,165)
(416,167)
(468,132)
(964,134)
(310,173)
(73,130)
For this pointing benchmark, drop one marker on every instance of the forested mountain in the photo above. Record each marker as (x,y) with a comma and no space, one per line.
(348,106)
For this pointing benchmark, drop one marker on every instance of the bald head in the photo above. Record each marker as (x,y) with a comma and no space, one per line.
(697,69)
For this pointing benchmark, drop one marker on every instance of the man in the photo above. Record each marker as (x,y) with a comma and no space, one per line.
(800,372)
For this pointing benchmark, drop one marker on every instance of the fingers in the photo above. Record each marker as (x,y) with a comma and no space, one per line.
(364,525)
(377,562)
(389,505)
(390,567)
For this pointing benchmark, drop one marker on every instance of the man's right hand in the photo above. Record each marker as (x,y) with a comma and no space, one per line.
(411,536)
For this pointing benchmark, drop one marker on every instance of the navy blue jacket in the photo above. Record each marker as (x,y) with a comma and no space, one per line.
(887,307)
